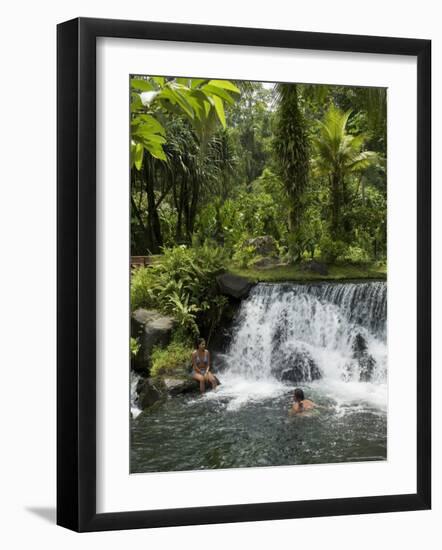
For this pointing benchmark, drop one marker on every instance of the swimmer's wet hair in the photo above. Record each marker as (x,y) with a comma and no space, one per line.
(299,394)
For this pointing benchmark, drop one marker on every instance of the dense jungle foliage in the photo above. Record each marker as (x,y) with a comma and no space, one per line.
(217,163)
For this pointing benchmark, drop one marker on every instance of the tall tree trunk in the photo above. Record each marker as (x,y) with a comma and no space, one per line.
(186,209)
(137,222)
(293,215)
(154,238)
(336,204)
(291,146)
(193,209)
(180,207)
(346,225)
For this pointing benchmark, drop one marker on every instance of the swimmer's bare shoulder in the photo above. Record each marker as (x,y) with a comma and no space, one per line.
(305,405)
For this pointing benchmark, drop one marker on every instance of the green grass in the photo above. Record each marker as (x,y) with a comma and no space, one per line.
(338,272)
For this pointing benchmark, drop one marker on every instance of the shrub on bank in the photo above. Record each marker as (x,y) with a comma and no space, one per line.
(182,284)
(140,284)
(175,359)
(134,346)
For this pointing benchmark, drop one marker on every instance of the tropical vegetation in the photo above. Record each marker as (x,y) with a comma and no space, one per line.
(217,163)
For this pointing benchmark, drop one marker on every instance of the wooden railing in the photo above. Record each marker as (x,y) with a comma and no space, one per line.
(142,261)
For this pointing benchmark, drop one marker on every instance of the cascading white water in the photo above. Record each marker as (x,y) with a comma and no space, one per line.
(134,408)
(330,335)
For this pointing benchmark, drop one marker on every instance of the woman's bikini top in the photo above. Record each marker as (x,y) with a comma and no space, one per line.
(205,360)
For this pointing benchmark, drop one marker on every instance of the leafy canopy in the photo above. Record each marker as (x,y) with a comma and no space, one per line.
(201,101)
(338,151)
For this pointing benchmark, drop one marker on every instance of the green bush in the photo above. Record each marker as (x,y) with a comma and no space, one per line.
(175,359)
(331,249)
(141,283)
(134,346)
(182,284)
(257,210)
(244,254)
(356,254)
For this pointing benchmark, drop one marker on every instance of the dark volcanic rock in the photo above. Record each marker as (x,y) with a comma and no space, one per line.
(296,366)
(366,367)
(264,246)
(234,285)
(365,361)
(154,390)
(315,267)
(152,329)
(359,345)
(149,392)
(176,386)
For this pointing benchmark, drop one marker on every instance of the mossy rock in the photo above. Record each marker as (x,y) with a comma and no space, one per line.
(152,328)
(149,391)
(177,386)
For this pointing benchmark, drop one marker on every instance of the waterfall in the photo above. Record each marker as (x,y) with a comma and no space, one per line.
(327,333)
(134,408)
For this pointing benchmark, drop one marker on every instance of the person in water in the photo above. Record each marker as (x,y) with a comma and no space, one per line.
(300,404)
(201,366)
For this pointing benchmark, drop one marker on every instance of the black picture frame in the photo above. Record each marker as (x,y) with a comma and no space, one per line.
(76,274)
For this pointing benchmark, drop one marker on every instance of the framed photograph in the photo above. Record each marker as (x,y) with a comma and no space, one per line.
(243,274)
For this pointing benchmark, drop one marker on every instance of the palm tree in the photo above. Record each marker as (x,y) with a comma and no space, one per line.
(339,154)
(291,147)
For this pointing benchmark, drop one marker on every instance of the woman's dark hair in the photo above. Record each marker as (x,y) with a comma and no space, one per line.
(200,341)
(299,394)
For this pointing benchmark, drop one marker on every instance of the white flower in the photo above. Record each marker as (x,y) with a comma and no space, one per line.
(148,97)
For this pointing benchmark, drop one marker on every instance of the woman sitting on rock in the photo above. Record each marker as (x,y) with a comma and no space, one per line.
(201,366)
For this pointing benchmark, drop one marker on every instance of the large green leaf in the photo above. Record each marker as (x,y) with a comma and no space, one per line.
(138,156)
(219,108)
(148,121)
(160,80)
(155,149)
(145,136)
(196,82)
(209,89)
(142,85)
(225,84)
(197,106)
(135,102)
(175,98)
(184,82)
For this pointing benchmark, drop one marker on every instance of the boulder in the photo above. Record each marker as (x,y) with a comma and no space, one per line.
(152,391)
(266,262)
(366,362)
(149,393)
(366,368)
(176,386)
(264,246)
(152,328)
(359,345)
(315,267)
(296,366)
(234,285)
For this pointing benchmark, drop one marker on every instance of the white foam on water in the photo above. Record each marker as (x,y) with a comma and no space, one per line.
(237,391)
(279,323)
(352,394)
(134,408)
